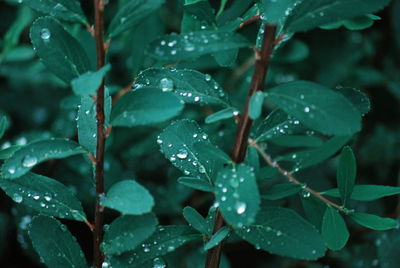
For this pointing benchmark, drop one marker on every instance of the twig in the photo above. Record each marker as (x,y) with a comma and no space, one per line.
(290,177)
(249,21)
(240,145)
(98,256)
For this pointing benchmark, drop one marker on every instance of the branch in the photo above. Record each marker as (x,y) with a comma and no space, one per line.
(290,177)
(98,256)
(240,145)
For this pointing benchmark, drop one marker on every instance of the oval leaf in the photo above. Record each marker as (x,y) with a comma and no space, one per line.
(367,192)
(334,229)
(346,173)
(256,103)
(217,238)
(34,153)
(373,221)
(195,220)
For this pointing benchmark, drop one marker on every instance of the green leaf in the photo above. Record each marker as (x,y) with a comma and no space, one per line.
(87,124)
(3,125)
(165,240)
(314,209)
(131,14)
(283,232)
(226,58)
(346,174)
(358,98)
(197,184)
(317,107)
(175,47)
(275,11)
(237,194)
(9,151)
(45,195)
(214,153)
(217,238)
(373,221)
(307,15)
(60,52)
(55,244)
(279,191)
(36,152)
(297,141)
(127,232)
(145,106)
(69,10)
(89,82)
(128,197)
(190,86)
(256,103)
(334,229)
(267,172)
(367,192)
(221,115)
(177,143)
(310,157)
(195,220)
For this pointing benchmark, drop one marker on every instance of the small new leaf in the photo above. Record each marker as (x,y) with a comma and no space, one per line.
(346,174)
(195,220)
(217,238)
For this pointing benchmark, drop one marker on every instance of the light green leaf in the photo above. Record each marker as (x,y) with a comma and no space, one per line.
(373,221)
(45,195)
(131,14)
(334,229)
(307,15)
(317,107)
(346,174)
(256,103)
(165,240)
(283,232)
(195,220)
(69,10)
(89,82)
(59,50)
(276,11)
(36,152)
(175,47)
(197,184)
(367,192)
(190,86)
(87,124)
(237,194)
(221,115)
(297,141)
(279,191)
(128,197)
(145,106)
(55,244)
(217,238)
(177,143)
(127,232)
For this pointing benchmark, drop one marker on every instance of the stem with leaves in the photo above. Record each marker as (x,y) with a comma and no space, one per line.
(240,146)
(99,177)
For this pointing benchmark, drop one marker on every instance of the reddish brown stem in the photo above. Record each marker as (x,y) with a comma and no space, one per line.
(242,134)
(98,256)
(249,21)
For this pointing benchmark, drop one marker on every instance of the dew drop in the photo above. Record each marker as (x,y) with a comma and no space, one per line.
(11,170)
(29,161)
(240,207)
(166,84)
(45,34)
(105,265)
(305,194)
(208,77)
(307,109)
(159,263)
(182,154)
(196,99)
(202,169)
(17,198)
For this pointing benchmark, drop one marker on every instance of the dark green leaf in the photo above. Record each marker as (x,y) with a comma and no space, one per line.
(214,153)
(126,232)
(334,229)
(128,197)
(367,192)
(221,115)
(9,151)
(217,238)
(87,124)
(276,11)
(45,195)
(69,10)
(283,232)
(3,125)
(89,82)
(175,47)
(283,190)
(346,174)
(358,98)
(55,244)
(197,184)
(317,107)
(34,153)
(256,103)
(59,50)
(226,58)
(195,220)
(190,86)
(297,141)
(314,210)
(267,172)
(165,240)
(237,194)
(373,221)
(145,106)
(310,14)
(131,14)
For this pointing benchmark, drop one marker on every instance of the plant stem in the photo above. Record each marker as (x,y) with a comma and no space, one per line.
(239,148)
(99,177)
(290,176)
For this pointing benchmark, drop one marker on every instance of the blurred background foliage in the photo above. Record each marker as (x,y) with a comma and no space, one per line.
(37,105)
